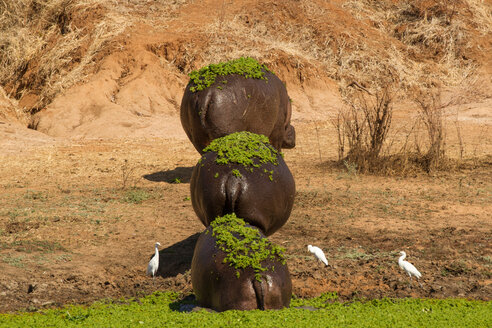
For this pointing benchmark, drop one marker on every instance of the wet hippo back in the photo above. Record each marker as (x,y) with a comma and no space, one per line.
(235,103)
(263,195)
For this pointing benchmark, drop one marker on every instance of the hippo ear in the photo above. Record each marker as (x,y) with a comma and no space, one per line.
(289,137)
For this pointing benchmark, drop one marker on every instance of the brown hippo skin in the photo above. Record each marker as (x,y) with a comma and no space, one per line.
(216,285)
(240,104)
(266,204)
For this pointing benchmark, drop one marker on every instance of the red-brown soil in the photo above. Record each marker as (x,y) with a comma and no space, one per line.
(71,231)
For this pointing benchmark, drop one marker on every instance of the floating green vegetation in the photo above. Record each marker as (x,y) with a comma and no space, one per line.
(270,174)
(245,66)
(243,245)
(243,148)
(162,310)
(236,173)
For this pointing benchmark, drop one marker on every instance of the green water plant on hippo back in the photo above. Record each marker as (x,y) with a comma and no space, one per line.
(244,66)
(246,148)
(243,173)
(235,266)
(244,245)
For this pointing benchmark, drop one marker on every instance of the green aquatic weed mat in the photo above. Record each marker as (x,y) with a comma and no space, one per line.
(245,66)
(243,148)
(244,246)
(160,310)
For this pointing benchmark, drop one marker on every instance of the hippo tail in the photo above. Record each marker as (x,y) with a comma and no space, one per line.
(204,109)
(232,192)
(260,293)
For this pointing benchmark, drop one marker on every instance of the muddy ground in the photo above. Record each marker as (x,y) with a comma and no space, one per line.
(79,220)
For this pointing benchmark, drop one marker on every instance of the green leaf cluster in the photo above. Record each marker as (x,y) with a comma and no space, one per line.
(245,66)
(245,148)
(243,245)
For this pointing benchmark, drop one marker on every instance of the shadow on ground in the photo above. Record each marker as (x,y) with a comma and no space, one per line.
(183,174)
(177,258)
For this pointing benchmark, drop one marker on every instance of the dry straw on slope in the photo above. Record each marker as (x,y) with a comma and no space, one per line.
(47,45)
(413,44)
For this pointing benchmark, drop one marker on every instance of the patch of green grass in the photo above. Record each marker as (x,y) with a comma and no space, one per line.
(35,195)
(354,254)
(13,261)
(13,214)
(29,246)
(64,258)
(136,196)
(351,168)
(486,259)
(159,310)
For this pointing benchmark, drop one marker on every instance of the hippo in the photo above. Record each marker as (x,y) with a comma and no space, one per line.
(263,195)
(237,102)
(220,286)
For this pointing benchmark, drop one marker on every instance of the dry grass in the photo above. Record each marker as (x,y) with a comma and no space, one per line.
(44,50)
(416,45)
(9,109)
(46,46)
(436,39)
(239,36)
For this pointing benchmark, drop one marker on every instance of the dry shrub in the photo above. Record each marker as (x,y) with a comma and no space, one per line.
(436,40)
(410,44)
(431,114)
(364,142)
(46,46)
(364,126)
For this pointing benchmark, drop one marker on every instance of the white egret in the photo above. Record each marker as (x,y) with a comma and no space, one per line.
(409,268)
(318,253)
(154,262)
